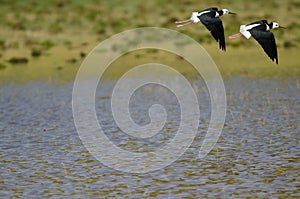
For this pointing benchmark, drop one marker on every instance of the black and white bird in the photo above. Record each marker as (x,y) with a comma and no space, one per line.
(210,19)
(260,30)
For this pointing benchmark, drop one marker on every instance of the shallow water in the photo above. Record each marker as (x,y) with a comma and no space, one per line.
(257,154)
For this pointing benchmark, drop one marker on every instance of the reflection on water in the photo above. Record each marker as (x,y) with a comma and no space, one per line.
(257,154)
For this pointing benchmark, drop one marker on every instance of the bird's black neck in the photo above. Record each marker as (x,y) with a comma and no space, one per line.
(270,25)
(220,12)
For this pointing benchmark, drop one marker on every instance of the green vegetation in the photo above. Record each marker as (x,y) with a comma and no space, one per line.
(2,66)
(18,60)
(60,31)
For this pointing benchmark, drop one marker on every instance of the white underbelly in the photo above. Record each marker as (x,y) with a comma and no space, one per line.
(244,29)
(194,18)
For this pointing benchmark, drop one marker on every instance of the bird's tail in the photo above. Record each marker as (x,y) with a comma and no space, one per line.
(235,36)
(183,23)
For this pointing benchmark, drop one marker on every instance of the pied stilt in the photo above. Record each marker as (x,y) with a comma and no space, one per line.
(210,19)
(260,30)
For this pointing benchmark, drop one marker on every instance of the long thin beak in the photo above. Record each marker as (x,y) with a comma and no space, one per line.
(282,27)
(232,13)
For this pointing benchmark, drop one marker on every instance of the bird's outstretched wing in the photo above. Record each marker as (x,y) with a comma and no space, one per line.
(261,22)
(215,26)
(267,40)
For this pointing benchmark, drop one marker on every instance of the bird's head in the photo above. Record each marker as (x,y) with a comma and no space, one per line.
(225,12)
(274,25)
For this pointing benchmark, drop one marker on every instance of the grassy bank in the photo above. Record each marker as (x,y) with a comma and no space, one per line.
(49,39)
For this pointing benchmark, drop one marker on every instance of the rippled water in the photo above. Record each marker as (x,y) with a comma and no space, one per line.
(257,154)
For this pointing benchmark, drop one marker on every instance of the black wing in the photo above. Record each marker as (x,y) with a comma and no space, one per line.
(215,26)
(267,40)
(259,22)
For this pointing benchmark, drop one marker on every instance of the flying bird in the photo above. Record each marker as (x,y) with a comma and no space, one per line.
(210,19)
(260,30)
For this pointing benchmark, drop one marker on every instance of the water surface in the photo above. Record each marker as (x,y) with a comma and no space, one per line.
(257,154)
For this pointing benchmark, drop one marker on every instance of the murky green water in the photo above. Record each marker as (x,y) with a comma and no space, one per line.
(256,156)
